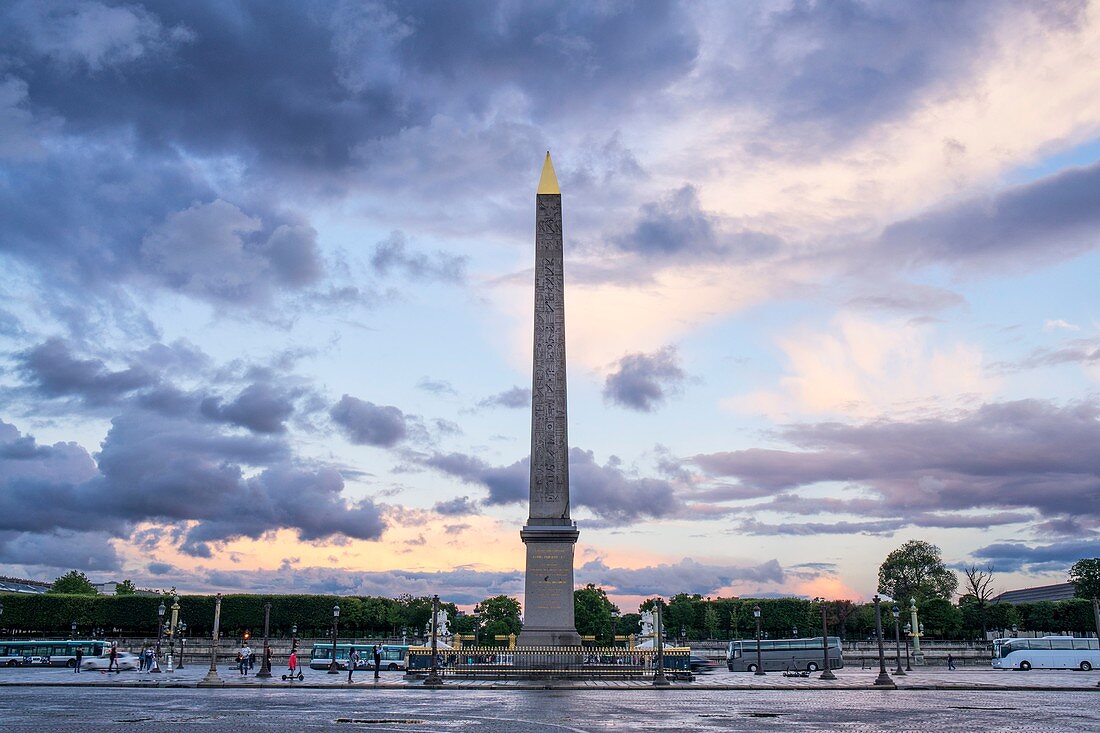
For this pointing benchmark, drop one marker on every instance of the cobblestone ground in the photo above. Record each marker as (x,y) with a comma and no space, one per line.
(244,710)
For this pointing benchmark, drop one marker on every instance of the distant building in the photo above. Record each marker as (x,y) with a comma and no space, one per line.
(18,585)
(1056,592)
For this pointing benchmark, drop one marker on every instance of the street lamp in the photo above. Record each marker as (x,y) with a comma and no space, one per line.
(908,629)
(659,679)
(918,631)
(212,679)
(333,668)
(433,679)
(759,657)
(883,679)
(72,630)
(683,635)
(182,628)
(265,663)
(160,635)
(899,672)
(614,625)
(827,673)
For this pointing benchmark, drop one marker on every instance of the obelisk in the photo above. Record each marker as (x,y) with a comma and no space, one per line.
(549,534)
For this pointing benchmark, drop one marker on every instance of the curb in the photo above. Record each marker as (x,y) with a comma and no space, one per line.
(544,686)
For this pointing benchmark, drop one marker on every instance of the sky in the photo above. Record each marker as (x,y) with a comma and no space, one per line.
(266,291)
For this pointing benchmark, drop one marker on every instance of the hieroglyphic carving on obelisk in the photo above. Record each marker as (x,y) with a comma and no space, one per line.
(549,534)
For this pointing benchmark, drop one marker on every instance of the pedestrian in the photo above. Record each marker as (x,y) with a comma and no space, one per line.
(353,662)
(246,652)
(141,660)
(150,655)
(950,661)
(241,663)
(377,659)
(79,658)
(292,663)
(113,659)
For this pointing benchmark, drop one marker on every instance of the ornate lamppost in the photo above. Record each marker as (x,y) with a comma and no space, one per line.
(759,656)
(212,679)
(182,628)
(918,632)
(614,625)
(160,635)
(659,679)
(433,679)
(883,679)
(72,630)
(899,672)
(333,668)
(827,672)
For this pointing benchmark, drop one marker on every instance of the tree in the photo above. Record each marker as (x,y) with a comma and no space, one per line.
(499,615)
(978,582)
(915,570)
(592,611)
(710,621)
(74,582)
(125,588)
(941,619)
(1085,576)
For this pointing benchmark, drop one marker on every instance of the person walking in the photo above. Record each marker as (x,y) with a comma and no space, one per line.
(246,652)
(353,662)
(112,660)
(79,658)
(950,661)
(141,660)
(377,659)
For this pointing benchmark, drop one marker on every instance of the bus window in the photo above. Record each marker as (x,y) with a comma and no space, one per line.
(1061,643)
(1081,643)
(1038,643)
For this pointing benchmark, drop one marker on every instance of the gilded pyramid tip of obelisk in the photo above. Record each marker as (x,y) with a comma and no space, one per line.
(548,182)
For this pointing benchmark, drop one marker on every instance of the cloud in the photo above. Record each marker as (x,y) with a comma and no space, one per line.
(908,297)
(1058,324)
(261,407)
(215,251)
(56,372)
(392,255)
(1012,557)
(154,469)
(1024,456)
(643,381)
(365,423)
(460,506)
(514,398)
(686,576)
(606,490)
(1047,220)
(89,551)
(437,387)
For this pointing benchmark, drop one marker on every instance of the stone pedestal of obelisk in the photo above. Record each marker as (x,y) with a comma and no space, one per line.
(549,534)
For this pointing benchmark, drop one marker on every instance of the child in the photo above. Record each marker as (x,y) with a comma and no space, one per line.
(293,663)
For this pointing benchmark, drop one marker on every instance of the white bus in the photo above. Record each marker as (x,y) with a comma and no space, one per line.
(783,654)
(1048,652)
(394,656)
(60,653)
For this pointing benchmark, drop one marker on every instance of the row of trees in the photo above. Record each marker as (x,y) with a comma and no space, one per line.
(688,615)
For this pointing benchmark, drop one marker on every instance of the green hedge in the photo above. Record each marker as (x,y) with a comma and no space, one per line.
(137,615)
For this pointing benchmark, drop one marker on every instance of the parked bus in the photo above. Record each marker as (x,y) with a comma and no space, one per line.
(783,654)
(59,653)
(1048,652)
(393,656)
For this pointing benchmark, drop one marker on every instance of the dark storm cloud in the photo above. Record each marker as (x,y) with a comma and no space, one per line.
(392,255)
(1015,456)
(64,550)
(55,371)
(261,407)
(1016,556)
(643,381)
(161,568)
(365,423)
(155,469)
(686,576)
(513,398)
(1050,219)
(606,490)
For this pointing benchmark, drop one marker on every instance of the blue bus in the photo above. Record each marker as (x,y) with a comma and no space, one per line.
(48,653)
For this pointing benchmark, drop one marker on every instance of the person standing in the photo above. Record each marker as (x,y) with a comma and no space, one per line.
(141,660)
(950,661)
(353,662)
(112,658)
(377,659)
(79,658)
(292,663)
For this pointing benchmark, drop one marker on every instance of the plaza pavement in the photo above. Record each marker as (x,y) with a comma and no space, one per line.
(928,678)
